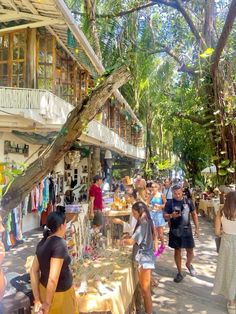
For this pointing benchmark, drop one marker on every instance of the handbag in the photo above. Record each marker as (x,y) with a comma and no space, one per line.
(217,241)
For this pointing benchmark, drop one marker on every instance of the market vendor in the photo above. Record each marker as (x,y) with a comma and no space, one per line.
(95,201)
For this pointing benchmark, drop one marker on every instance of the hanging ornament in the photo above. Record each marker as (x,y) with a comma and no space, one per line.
(72,158)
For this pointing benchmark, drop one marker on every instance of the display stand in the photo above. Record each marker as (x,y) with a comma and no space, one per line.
(110,215)
(117,275)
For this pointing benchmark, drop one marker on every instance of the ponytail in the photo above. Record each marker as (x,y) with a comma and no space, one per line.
(53,223)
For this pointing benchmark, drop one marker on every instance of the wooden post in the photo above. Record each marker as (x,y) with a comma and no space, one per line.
(31,59)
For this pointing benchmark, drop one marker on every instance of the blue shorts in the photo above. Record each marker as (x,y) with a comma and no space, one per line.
(157,218)
(146,265)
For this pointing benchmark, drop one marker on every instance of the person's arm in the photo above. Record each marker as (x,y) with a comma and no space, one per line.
(2,252)
(194,217)
(195,221)
(168,213)
(34,278)
(54,273)
(129,241)
(162,206)
(91,206)
(218,224)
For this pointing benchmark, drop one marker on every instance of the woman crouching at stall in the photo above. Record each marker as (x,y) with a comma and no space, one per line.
(51,278)
(142,240)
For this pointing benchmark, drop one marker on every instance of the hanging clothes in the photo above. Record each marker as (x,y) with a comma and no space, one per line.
(45,213)
(52,196)
(24,205)
(45,192)
(40,202)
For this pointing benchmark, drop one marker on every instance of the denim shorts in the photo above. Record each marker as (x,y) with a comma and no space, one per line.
(146,265)
(157,218)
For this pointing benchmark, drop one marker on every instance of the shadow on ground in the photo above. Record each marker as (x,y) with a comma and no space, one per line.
(192,295)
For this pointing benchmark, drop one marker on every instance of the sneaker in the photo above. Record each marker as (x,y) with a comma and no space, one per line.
(178,278)
(191,270)
(161,249)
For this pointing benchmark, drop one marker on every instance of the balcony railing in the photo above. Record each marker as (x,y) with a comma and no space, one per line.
(110,139)
(46,108)
(50,106)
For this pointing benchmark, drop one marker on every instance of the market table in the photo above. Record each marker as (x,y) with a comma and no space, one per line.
(110,214)
(210,207)
(117,274)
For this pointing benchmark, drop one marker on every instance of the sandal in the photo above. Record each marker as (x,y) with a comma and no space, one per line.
(154,283)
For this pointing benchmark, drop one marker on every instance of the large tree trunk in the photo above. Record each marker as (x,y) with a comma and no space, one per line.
(76,122)
(90,8)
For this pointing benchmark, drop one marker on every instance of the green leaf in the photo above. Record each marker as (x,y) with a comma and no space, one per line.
(222,172)
(231,170)
(225,162)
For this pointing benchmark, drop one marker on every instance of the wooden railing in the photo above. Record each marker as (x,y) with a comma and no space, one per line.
(54,109)
(44,102)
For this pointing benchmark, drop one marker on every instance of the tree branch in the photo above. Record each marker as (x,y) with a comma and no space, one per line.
(168,3)
(198,120)
(123,13)
(190,23)
(76,122)
(183,66)
(223,37)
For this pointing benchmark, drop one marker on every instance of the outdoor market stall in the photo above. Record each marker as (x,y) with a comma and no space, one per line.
(110,291)
(104,275)
(210,207)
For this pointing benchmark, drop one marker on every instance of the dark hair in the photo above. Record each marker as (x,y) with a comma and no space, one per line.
(53,222)
(144,213)
(229,209)
(96,178)
(176,187)
(61,209)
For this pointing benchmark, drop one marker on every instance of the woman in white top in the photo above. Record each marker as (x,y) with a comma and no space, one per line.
(225,226)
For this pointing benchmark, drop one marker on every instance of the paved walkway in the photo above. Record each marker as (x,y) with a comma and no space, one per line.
(192,295)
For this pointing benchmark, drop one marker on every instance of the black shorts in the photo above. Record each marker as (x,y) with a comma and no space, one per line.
(185,241)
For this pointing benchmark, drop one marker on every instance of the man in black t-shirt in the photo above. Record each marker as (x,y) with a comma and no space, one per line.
(178,212)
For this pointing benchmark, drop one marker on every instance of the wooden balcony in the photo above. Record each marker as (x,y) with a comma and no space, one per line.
(41,110)
(98,134)
(41,106)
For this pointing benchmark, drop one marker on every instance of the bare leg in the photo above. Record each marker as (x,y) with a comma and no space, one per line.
(178,260)
(160,232)
(190,256)
(145,284)
(155,243)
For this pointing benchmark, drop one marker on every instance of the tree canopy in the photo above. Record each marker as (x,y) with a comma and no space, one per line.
(182,59)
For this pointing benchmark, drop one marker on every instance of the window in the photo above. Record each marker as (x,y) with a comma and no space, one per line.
(46,45)
(4,56)
(12,59)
